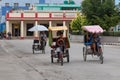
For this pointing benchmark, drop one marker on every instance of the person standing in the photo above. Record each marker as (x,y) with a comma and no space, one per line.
(9,35)
(43,37)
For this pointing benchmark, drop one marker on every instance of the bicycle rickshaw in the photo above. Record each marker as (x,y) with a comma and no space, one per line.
(89,41)
(53,36)
(38,44)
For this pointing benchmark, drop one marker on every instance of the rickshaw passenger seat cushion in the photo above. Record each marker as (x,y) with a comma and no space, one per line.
(88,43)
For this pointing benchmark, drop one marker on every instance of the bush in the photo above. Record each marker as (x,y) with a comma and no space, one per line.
(117,34)
(76,32)
(111,33)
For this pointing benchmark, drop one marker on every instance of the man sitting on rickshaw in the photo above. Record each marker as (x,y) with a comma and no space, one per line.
(60,45)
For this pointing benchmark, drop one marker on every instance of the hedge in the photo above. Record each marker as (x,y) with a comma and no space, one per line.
(117,34)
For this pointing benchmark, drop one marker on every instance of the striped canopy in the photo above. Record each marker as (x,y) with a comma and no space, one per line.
(93,29)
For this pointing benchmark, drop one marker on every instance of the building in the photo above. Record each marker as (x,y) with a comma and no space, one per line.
(61,1)
(8,5)
(57,7)
(19,21)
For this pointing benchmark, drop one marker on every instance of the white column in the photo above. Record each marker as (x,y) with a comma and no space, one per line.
(36,32)
(64,24)
(50,23)
(22,30)
(7,28)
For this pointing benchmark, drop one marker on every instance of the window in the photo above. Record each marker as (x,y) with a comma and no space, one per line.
(16,4)
(27,4)
(6,4)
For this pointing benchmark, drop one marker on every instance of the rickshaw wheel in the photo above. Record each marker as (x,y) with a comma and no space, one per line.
(33,49)
(43,46)
(84,53)
(52,56)
(101,58)
(61,58)
(101,55)
(67,53)
(43,50)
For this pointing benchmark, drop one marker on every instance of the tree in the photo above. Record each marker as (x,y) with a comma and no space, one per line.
(101,12)
(78,22)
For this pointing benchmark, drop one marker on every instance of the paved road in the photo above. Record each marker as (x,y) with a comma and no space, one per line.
(18,63)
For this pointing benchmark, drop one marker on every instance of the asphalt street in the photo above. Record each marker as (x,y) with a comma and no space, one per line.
(17,62)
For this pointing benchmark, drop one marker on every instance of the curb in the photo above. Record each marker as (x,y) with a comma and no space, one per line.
(116,44)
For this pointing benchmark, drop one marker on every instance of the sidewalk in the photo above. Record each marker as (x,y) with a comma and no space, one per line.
(106,40)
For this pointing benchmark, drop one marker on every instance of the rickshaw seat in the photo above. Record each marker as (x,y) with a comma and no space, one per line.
(36,42)
(89,42)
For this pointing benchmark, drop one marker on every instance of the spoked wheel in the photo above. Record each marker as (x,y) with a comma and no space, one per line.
(101,58)
(84,53)
(101,55)
(43,50)
(67,53)
(61,58)
(33,51)
(33,48)
(43,44)
(52,52)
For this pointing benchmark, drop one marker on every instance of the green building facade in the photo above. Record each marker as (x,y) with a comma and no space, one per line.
(57,7)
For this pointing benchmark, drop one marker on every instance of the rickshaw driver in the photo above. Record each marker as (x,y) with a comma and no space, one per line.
(96,43)
(43,37)
(60,45)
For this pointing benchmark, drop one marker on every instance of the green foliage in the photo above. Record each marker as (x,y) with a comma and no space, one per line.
(117,34)
(78,22)
(101,12)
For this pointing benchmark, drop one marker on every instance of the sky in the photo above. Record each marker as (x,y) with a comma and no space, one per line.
(61,1)
(117,1)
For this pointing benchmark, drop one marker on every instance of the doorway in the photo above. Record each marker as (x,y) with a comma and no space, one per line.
(16,29)
(29,25)
(59,24)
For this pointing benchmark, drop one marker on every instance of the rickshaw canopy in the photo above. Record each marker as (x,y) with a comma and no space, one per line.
(93,29)
(38,28)
(57,28)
